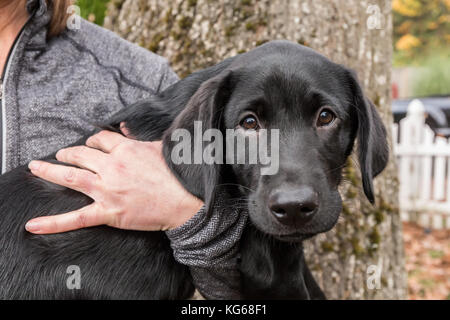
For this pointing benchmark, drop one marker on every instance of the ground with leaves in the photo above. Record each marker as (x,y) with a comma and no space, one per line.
(427,262)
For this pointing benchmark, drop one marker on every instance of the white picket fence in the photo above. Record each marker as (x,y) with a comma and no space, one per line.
(424,170)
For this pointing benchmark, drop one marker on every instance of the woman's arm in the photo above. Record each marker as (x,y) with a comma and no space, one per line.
(133,188)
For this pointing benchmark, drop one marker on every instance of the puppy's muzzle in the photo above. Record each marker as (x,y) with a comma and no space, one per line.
(294,208)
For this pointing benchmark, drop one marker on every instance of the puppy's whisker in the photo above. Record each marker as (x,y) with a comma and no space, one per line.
(235,184)
(337,168)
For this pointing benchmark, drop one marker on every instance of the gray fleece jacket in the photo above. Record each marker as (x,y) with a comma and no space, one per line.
(53,91)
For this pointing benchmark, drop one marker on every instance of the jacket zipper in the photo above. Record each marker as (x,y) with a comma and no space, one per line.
(2,124)
(2,94)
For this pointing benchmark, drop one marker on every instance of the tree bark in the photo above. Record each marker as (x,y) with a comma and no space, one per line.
(194,34)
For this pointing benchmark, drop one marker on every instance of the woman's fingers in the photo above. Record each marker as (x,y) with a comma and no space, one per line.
(151,199)
(88,216)
(77,179)
(126,132)
(105,141)
(83,157)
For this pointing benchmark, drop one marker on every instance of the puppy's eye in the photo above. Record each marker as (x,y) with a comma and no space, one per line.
(326,117)
(249,123)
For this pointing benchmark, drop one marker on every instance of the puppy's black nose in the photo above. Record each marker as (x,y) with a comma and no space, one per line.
(294,207)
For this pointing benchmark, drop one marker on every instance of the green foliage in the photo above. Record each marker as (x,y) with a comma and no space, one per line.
(434,76)
(420,27)
(93,11)
(436,254)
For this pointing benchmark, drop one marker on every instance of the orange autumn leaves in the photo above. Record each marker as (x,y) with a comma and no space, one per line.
(421,23)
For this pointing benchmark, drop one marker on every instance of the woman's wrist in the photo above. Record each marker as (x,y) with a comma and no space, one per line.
(186,209)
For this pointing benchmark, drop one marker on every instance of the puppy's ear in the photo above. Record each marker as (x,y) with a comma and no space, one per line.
(205,107)
(373,149)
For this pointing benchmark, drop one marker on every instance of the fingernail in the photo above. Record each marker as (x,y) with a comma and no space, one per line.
(32,226)
(59,155)
(34,165)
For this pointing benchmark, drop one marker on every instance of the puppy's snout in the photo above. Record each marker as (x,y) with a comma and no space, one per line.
(294,207)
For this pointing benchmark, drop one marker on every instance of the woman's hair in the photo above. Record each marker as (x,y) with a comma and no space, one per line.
(59,16)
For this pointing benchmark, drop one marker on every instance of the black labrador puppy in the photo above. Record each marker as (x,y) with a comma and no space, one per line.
(318,108)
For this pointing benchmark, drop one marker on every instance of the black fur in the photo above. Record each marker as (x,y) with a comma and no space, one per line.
(289,82)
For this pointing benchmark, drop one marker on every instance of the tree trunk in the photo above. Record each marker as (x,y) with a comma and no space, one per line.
(194,34)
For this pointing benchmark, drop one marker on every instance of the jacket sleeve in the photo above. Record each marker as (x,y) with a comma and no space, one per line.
(209,246)
(167,77)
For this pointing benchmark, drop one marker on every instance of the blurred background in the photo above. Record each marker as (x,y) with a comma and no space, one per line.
(401,51)
(421,69)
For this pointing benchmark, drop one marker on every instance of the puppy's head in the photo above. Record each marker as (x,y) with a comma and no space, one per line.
(304,112)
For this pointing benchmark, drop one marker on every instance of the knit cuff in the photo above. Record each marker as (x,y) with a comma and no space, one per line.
(209,240)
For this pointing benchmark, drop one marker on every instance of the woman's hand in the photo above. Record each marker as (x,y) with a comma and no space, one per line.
(129,181)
